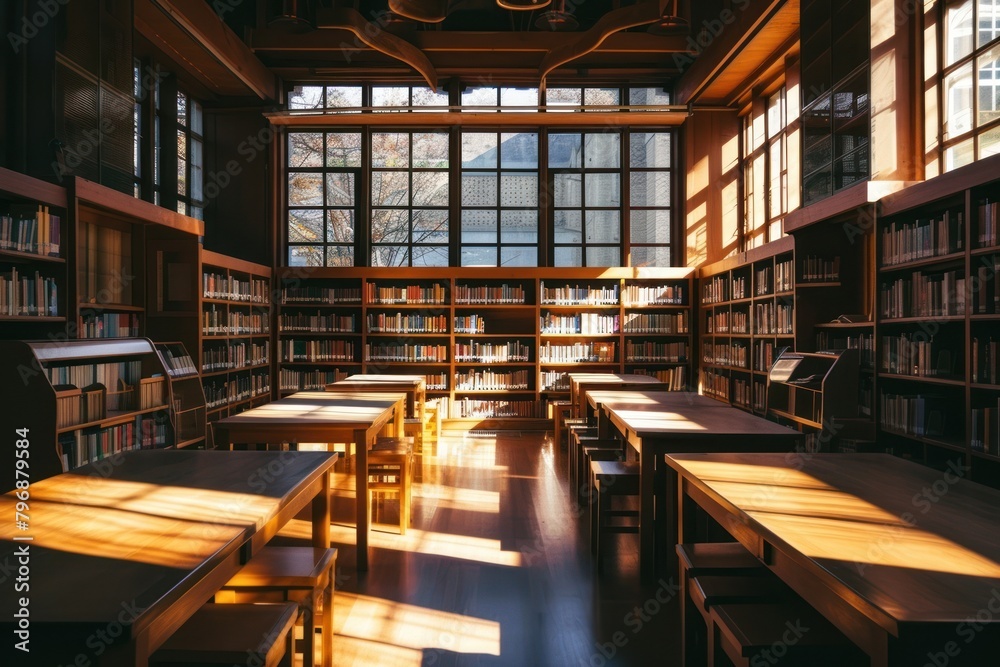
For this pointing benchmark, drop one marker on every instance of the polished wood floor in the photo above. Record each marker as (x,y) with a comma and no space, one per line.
(495,570)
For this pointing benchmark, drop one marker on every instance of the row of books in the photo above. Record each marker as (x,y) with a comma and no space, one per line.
(716,290)
(152,392)
(985,286)
(410,294)
(224,322)
(470,324)
(480,408)
(676,377)
(989,234)
(910,241)
(293,379)
(108,325)
(489,294)
(576,352)
(409,323)
(235,356)
(317,350)
(406,352)
(491,380)
(579,295)
(739,285)
(656,352)
(317,323)
(659,323)
(79,448)
(506,352)
(742,392)
(219,392)
(916,354)
(580,323)
(759,396)
(659,295)
(317,294)
(985,365)
(37,232)
(924,295)
(780,278)
(436,381)
(864,343)
(820,269)
(725,354)
(31,295)
(764,354)
(715,384)
(177,364)
(554,380)
(913,414)
(109,374)
(222,286)
(737,322)
(773,319)
(986,430)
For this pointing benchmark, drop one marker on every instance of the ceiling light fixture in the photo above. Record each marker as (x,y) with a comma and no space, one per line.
(523,5)
(557,20)
(671,22)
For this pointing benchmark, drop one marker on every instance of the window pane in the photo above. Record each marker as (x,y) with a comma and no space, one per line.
(520,97)
(650,226)
(519,188)
(479,97)
(568,227)
(343,96)
(430,256)
(602,150)
(567,190)
(423,97)
(308,255)
(430,188)
(958,32)
(603,227)
(305,149)
(648,96)
(196,170)
(430,150)
(181,144)
(598,256)
(479,189)
(959,155)
(479,226)
(390,188)
(518,256)
(390,226)
(988,69)
(479,150)
(649,188)
(989,143)
(305,189)
(650,256)
(564,150)
(306,97)
(339,189)
(958,101)
(430,226)
(182,118)
(390,256)
(390,96)
(339,255)
(649,150)
(568,256)
(519,150)
(182,207)
(602,96)
(305,226)
(182,177)
(776,194)
(519,226)
(391,149)
(989,22)
(563,97)
(474,256)
(196,117)
(343,149)
(340,226)
(603,190)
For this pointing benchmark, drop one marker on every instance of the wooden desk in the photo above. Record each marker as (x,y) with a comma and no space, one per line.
(414,386)
(899,556)
(133,545)
(320,416)
(581,383)
(658,423)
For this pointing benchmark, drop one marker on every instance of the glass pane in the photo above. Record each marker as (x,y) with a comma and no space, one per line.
(567,190)
(958,101)
(603,190)
(196,117)
(601,256)
(430,226)
(181,145)
(390,226)
(649,226)
(196,162)
(649,188)
(602,150)
(776,113)
(339,255)
(181,177)
(649,150)
(305,255)
(479,189)
(306,97)
(519,150)
(568,227)
(518,256)
(650,256)
(648,96)
(602,97)
(343,149)
(989,22)
(776,193)
(989,143)
(305,149)
(479,150)
(479,97)
(430,256)
(519,226)
(564,150)
(473,256)
(340,189)
(518,188)
(182,207)
(568,256)
(988,69)
(430,150)
(390,256)
(305,226)
(340,226)
(390,188)
(430,188)
(305,189)
(479,226)
(424,97)
(519,97)
(958,31)
(390,149)
(563,97)
(603,227)
(182,118)
(343,96)
(390,96)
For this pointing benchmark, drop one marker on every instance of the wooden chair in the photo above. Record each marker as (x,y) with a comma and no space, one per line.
(561,412)
(587,451)
(390,469)
(611,479)
(222,635)
(305,575)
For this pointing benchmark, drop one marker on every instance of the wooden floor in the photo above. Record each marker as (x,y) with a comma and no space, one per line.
(495,570)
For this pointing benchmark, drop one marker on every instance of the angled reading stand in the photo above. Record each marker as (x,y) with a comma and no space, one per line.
(814,388)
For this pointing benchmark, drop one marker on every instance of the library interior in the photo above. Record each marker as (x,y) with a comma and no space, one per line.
(500,332)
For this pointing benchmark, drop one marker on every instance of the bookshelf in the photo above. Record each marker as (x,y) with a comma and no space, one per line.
(187,399)
(84,400)
(493,345)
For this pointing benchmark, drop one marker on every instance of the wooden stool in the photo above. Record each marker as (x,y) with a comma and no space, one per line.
(587,451)
(232,634)
(390,468)
(414,428)
(299,574)
(610,479)
(561,411)
(791,634)
(432,424)
(575,433)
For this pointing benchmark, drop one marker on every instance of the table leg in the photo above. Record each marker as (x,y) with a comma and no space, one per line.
(647,555)
(361,476)
(321,515)
(398,417)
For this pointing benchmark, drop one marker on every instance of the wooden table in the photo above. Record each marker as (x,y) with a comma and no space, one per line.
(904,559)
(414,386)
(581,383)
(131,546)
(658,423)
(320,416)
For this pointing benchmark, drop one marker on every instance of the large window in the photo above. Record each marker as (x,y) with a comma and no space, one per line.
(650,198)
(765,170)
(970,115)
(190,157)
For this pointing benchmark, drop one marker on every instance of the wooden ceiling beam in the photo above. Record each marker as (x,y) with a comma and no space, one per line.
(481,119)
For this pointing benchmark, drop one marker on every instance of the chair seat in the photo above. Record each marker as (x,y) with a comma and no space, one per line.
(285,567)
(709,590)
(615,470)
(708,557)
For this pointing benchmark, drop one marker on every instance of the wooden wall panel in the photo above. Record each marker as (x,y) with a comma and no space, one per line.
(711,206)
